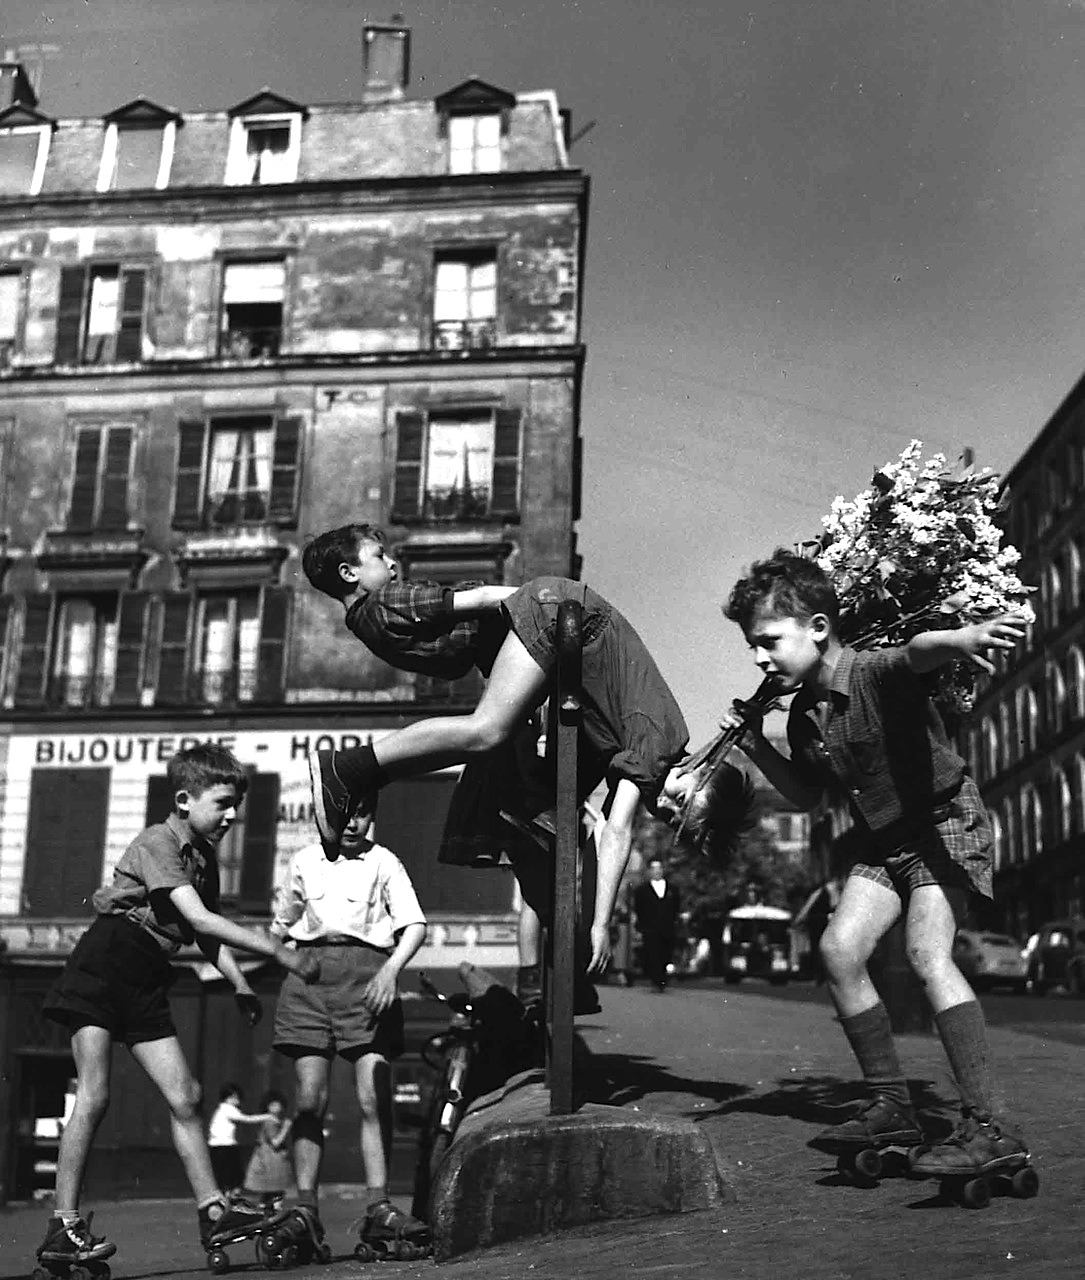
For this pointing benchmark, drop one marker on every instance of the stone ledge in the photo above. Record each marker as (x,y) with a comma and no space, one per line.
(514,1170)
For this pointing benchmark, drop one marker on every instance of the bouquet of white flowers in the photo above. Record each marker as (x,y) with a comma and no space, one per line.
(917,551)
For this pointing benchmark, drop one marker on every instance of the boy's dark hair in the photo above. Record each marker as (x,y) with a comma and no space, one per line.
(207,765)
(272,1095)
(322,556)
(228,1089)
(722,811)
(786,585)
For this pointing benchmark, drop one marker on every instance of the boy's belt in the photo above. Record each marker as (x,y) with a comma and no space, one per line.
(339,940)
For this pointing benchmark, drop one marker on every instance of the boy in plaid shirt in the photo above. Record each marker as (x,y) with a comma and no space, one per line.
(862,728)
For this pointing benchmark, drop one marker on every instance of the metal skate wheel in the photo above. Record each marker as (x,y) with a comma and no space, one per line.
(845,1163)
(322,1253)
(289,1257)
(1025,1183)
(41,1273)
(218,1261)
(976,1194)
(868,1165)
(365,1252)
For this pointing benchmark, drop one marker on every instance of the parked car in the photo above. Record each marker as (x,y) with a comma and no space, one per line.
(757,944)
(1055,957)
(990,959)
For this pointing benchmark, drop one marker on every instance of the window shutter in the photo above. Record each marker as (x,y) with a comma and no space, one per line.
(6,603)
(188,494)
(88,443)
(133,288)
(406,500)
(118,460)
(271,653)
(284,471)
(70,314)
(34,655)
(173,648)
(159,800)
(505,495)
(131,642)
(258,854)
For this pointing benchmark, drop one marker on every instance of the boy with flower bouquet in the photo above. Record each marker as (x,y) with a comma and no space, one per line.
(852,634)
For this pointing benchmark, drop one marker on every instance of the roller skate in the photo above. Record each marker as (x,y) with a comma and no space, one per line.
(978,1158)
(292,1238)
(72,1253)
(876,1141)
(235,1222)
(387,1234)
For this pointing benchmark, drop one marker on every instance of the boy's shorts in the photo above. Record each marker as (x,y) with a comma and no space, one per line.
(116,977)
(328,1016)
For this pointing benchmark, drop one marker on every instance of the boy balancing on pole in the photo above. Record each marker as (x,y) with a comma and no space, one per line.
(862,728)
(113,987)
(633,732)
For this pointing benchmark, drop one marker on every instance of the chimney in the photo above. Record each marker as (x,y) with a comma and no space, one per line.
(15,88)
(386,60)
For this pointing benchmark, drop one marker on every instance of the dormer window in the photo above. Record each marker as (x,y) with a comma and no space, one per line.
(265,142)
(474,116)
(138,148)
(24,147)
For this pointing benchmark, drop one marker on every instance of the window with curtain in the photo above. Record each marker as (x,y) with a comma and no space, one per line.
(239,471)
(228,638)
(85,651)
(10,297)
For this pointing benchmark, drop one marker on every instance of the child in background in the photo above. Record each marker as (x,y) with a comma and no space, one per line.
(114,987)
(271,1171)
(359,915)
(222,1136)
(862,729)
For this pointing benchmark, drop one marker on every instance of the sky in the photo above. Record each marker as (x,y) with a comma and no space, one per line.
(818,229)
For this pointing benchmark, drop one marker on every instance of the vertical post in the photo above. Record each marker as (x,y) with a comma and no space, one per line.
(564,916)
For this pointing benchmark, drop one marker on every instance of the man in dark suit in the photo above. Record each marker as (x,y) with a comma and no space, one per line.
(656,905)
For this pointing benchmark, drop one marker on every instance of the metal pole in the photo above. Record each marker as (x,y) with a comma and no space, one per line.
(564,916)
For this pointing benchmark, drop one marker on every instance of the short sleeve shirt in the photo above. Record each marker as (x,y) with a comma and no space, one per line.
(369,897)
(412,626)
(877,741)
(159,859)
(633,727)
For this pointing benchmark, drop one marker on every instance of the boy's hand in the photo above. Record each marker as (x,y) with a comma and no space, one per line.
(380,990)
(600,948)
(749,718)
(304,963)
(1002,632)
(250,1006)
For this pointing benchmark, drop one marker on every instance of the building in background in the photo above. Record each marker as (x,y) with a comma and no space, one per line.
(220,333)
(1026,737)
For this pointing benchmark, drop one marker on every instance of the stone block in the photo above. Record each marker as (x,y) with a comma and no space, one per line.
(514,1170)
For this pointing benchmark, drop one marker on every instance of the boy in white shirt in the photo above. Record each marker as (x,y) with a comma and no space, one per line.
(360,916)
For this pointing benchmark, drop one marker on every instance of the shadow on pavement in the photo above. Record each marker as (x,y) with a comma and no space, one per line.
(822,1099)
(624,1078)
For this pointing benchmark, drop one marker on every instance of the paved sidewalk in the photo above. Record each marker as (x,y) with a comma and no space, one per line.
(763,1075)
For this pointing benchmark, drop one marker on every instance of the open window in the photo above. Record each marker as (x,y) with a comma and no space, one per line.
(265,141)
(251,322)
(100,313)
(11,302)
(465,299)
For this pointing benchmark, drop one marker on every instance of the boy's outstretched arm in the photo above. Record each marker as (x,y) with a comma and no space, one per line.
(225,962)
(468,601)
(776,767)
(188,903)
(931,649)
(614,846)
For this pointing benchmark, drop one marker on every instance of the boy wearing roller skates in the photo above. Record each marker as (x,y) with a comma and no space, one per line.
(359,914)
(862,728)
(114,988)
(633,732)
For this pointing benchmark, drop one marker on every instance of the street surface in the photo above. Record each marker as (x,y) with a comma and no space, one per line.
(763,1069)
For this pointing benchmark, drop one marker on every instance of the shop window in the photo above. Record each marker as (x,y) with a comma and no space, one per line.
(251,322)
(100,479)
(235,471)
(11,297)
(465,300)
(457,466)
(223,647)
(100,314)
(474,143)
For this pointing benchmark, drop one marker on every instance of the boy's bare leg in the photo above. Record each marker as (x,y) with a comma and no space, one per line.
(92,1049)
(311,1105)
(866,912)
(164,1062)
(528,936)
(930,927)
(373,1081)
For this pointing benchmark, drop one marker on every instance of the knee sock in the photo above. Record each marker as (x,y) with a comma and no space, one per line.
(359,770)
(871,1040)
(964,1037)
(309,1198)
(374,1195)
